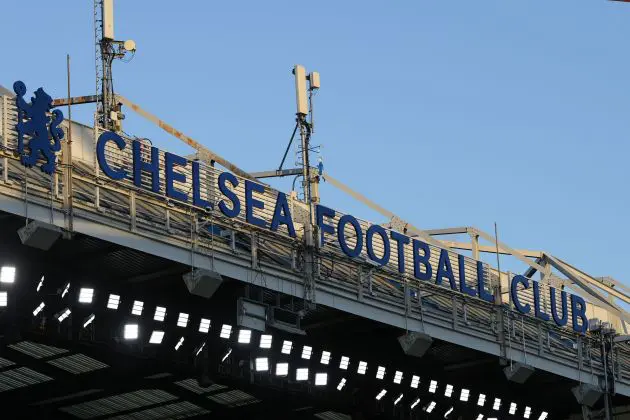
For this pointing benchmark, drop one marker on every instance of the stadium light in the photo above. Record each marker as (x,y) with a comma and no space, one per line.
(448,412)
(7,274)
(415,403)
(448,391)
(182,320)
(204,325)
(415,380)
(156,337)
(497,404)
(398,377)
(482,400)
(88,320)
(160,313)
(131,331)
(286,347)
(244,336)
(4,299)
(65,290)
(265,341)
(39,308)
(381,394)
(397,400)
(362,368)
(342,383)
(430,407)
(343,364)
(463,396)
(136,309)
(63,314)
(85,295)
(543,415)
(380,372)
(301,374)
(480,417)
(226,331)
(527,413)
(321,379)
(282,369)
(200,348)
(325,358)
(113,301)
(40,284)
(306,352)
(262,364)
(179,343)
(432,387)
(512,408)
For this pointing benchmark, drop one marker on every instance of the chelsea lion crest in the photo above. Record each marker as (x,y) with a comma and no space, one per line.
(37,129)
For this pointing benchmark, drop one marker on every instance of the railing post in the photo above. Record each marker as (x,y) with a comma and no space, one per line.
(254,246)
(132,209)
(5,139)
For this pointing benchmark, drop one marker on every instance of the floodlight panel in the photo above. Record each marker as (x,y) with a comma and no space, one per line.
(415,380)
(65,290)
(301,374)
(182,320)
(325,358)
(286,347)
(244,336)
(397,400)
(131,331)
(4,299)
(398,377)
(481,400)
(179,343)
(362,368)
(321,379)
(463,396)
(39,308)
(380,372)
(343,364)
(262,364)
(543,415)
(341,384)
(431,407)
(156,337)
(136,309)
(282,369)
(40,284)
(449,411)
(265,341)
(497,404)
(113,301)
(65,314)
(381,394)
(432,387)
(7,274)
(480,417)
(306,352)
(160,313)
(89,320)
(85,295)
(226,331)
(204,325)
(448,391)
(415,403)
(527,413)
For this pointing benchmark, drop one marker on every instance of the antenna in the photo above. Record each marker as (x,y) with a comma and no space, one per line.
(108,113)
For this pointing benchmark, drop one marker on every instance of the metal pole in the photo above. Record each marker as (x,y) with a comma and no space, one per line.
(67,187)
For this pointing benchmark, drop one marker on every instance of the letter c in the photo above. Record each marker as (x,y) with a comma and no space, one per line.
(524,309)
(102,160)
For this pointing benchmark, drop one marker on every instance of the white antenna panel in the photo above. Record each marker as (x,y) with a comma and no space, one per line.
(108,19)
(300,89)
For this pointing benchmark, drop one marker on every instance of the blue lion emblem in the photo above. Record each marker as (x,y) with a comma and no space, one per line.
(33,121)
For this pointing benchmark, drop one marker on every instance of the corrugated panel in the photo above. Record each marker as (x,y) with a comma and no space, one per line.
(331,415)
(118,403)
(180,410)
(191,385)
(21,377)
(78,363)
(233,398)
(36,350)
(5,362)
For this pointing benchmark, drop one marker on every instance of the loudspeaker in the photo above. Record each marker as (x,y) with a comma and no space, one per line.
(415,343)
(202,283)
(518,372)
(39,235)
(586,394)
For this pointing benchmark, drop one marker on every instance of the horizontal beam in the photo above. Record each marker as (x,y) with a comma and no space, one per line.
(447,231)
(491,249)
(277,173)
(77,100)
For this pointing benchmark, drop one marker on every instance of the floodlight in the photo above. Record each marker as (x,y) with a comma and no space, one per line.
(265,341)
(113,301)
(342,383)
(527,413)
(381,394)
(380,372)
(415,380)
(482,400)
(512,408)
(39,308)
(182,320)
(204,325)
(343,364)
(7,274)
(492,418)
(415,403)
(301,374)
(430,407)
(160,313)
(88,320)
(262,364)
(362,368)
(321,379)
(543,415)
(4,299)
(200,348)
(480,417)
(497,404)
(448,391)
(179,343)
(244,336)
(398,377)
(286,347)
(397,400)
(131,331)
(65,290)
(449,411)
(136,309)
(306,352)
(63,314)
(85,295)
(464,395)
(282,369)
(40,284)
(156,337)
(226,331)
(226,355)
(325,358)
(432,387)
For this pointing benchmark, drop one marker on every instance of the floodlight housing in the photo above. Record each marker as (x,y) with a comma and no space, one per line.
(7,274)
(86,294)
(131,331)
(156,337)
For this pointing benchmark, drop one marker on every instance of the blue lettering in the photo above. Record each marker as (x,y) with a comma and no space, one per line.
(421,259)
(401,240)
(524,309)
(481,287)
(561,322)
(196,185)
(251,203)
(320,212)
(445,270)
(282,215)
(537,312)
(578,310)
(463,287)
(370,246)
(102,160)
(341,235)
(153,167)
(236,204)
(170,161)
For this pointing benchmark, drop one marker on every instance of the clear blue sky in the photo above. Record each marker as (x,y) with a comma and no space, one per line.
(448,113)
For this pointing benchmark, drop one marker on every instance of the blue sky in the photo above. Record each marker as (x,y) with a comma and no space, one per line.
(449,113)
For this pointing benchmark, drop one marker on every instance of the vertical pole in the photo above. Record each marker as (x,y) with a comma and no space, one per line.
(67,157)
(5,139)
(498,298)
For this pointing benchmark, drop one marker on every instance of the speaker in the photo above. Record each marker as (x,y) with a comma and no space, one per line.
(39,235)
(586,394)
(202,282)
(415,343)
(518,372)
